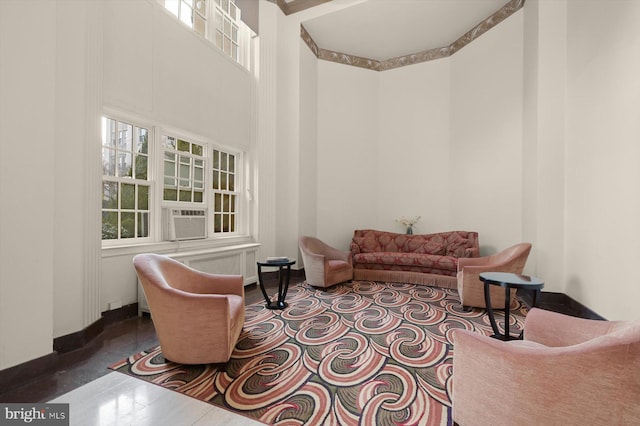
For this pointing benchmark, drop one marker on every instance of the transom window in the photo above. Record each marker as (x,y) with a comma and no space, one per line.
(227,21)
(193,13)
(125,184)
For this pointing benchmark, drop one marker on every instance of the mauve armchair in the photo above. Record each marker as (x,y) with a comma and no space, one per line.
(198,316)
(566,371)
(324,265)
(471,289)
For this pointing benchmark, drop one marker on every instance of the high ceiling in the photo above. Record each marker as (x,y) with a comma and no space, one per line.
(385,29)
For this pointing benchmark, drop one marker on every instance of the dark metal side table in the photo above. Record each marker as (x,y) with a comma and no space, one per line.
(284,276)
(508,281)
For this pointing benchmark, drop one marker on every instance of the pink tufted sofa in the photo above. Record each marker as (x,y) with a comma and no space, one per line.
(430,259)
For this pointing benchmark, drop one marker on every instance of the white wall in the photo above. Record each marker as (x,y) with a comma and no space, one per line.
(485,158)
(413,146)
(441,140)
(27,169)
(349,173)
(603,156)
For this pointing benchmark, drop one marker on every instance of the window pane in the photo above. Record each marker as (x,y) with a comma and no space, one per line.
(219,38)
(169,167)
(217,223)
(143,224)
(108,162)
(223,181)
(226,46)
(199,24)
(185,14)
(109,135)
(125,136)
(127,224)
(198,196)
(185,195)
(225,223)
(109,225)
(223,161)
(232,163)
(196,149)
(232,183)
(143,197)
(168,142)
(232,226)
(232,11)
(172,6)
(183,145)
(170,194)
(198,174)
(124,164)
(225,203)
(141,167)
(109,195)
(201,6)
(217,204)
(128,196)
(143,141)
(234,34)
(216,159)
(216,180)
(232,204)
(234,51)
(184,172)
(225,5)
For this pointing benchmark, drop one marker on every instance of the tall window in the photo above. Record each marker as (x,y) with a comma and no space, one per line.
(227,22)
(193,13)
(125,184)
(225,197)
(183,170)
(219,22)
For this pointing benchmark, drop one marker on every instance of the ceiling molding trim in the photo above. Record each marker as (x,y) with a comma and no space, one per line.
(415,58)
(297,5)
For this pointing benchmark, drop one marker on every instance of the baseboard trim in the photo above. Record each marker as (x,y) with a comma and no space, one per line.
(560,302)
(13,377)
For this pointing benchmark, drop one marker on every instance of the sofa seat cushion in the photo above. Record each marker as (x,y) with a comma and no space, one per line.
(417,262)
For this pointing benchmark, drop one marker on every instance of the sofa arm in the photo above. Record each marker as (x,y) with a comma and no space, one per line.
(354,248)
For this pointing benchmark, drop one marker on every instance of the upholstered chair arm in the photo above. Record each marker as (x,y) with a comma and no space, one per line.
(472,261)
(335,254)
(554,329)
(205,283)
(523,382)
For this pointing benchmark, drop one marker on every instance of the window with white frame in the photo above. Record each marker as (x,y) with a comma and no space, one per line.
(192,13)
(227,23)
(228,32)
(125,181)
(183,170)
(181,174)
(225,195)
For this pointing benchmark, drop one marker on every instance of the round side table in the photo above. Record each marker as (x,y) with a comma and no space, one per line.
(508,281)
(284,275)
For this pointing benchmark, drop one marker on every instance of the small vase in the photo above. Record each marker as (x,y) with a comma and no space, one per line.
(409,230)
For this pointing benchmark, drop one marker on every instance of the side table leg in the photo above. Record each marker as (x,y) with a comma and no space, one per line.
(487,300)
(507,308)
(261,283)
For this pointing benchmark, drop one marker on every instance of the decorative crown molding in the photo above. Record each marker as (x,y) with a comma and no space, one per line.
(414,58)
(297,5)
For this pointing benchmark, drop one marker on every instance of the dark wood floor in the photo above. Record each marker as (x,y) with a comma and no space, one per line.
(116,342)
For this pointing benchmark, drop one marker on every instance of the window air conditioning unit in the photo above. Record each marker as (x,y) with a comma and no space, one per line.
(182,224)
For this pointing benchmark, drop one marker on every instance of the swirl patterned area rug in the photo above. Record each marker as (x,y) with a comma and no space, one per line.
(357,353)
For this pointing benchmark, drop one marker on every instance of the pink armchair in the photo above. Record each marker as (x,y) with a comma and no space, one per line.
(568,371)
(198,316)
(324,265)
(471,289)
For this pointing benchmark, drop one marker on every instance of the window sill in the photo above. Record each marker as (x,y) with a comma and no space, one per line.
(178,246)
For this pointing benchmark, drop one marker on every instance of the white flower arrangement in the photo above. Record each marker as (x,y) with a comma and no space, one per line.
(409,222)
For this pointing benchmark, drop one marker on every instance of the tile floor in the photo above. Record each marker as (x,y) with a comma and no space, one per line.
(99,396)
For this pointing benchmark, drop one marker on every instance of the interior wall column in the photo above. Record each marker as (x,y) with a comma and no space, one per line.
(266,130)
(92,171)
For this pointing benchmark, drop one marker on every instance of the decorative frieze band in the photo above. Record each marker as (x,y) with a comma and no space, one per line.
(414,58)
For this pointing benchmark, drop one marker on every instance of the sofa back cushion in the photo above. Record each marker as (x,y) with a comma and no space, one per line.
(453,243)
